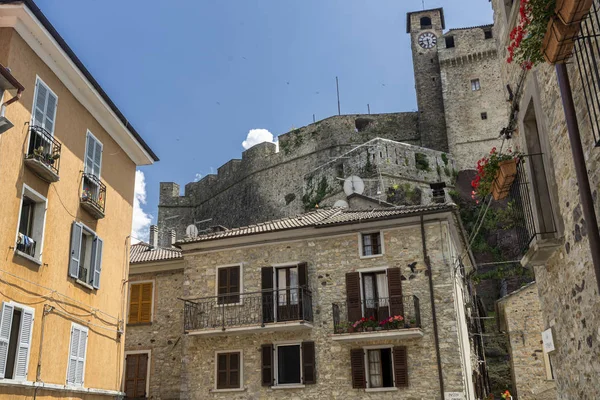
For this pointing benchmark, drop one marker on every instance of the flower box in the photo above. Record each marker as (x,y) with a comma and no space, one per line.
(504,178)
(572,11)
(559,41)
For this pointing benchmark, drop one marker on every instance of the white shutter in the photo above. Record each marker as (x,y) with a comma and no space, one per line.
(5,325)
(45,105)
(96,262)
(93,156)
(22,359)
(76,367)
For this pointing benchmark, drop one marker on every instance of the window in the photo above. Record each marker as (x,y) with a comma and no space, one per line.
(371,244)
(30,233)
(288,364)
(16,325)
(380,367)
(93,155)
(286,282)
(449,42)
(425,22)
(229,370)
(77,352)
(85,264)
(44,105)
(228,286)
(136,375)
(484,115)
(140,302)
(475,85)
(374,294)
(487,34)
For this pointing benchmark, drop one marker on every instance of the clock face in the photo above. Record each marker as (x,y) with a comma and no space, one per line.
(427,40)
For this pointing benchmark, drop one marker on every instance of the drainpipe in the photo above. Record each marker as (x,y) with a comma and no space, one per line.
(38,373)
(5,72)
(585,192)
(433,311)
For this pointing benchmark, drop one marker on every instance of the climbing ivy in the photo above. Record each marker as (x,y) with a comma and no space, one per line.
(312,197)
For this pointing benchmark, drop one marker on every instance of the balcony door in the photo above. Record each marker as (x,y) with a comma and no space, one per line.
(376,295)
(284,291)
(287,293)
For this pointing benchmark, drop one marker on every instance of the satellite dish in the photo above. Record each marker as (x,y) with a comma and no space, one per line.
(353,184)
(341,204)
(191,231)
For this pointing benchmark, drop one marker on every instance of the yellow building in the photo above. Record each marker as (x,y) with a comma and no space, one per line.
(67,171)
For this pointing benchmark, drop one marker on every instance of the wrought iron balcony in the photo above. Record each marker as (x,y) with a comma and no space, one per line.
(43,154)
(267,310)
(376,321)
(531,210)
(93,195)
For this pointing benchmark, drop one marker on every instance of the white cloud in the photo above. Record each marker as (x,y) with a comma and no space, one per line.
(141,220)
(256,136)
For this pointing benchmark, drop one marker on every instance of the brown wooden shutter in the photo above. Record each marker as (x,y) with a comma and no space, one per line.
(357,363)
(267,364)
(308,363)
(401,366)
(303,275)
(353,300)
(268,299)
(134,304)
(303,295)
(140,303)
(135,379)
(394,278)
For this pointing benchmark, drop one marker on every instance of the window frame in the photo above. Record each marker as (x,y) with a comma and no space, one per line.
(85,329)
(276,345)
(241,284)
(90,232)
(136,352)
(475,85)
(484,116)
(22,308)
(366,349)
(488,34)
(241,371)
(361,244)
(39,80)
(131,283)
(39,200)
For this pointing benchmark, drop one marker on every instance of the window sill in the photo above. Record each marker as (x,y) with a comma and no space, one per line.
(59,388)
(384,389)
(293,386)
(139,323)
(82,283)
(227,390)
(28,257)
(372,256)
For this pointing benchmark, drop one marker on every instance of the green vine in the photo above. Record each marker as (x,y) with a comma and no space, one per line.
(311,199)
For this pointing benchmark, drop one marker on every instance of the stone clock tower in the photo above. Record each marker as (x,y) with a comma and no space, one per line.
(426,30)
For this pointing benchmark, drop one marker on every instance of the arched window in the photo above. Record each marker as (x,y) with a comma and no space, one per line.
(425,22)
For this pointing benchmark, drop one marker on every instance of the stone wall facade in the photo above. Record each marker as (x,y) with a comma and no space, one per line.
(162,337)
(566,281)
(329,258)
(523,323)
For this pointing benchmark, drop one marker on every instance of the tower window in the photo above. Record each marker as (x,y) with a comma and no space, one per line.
(475,85)
(487,33)
(425,22)
(483,115)
(449,42)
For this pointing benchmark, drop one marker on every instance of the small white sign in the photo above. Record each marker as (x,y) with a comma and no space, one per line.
(548,340)
(454,396)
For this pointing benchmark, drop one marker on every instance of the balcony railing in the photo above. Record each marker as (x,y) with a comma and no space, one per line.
(93,195)
(254,310)
(376,316)
(43,154)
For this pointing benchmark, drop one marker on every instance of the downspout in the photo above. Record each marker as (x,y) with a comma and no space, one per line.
(433,311)
(13,81)
(585,192)
(38,373)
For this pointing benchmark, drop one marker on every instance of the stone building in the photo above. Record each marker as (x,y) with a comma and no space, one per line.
(65,217)
(461,108)
(520,317)
(560,252)
(274,310)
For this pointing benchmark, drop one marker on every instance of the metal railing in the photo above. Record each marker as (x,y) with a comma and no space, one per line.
(529,208)
(235,310)
(375,315)
(44,148)
(93,192)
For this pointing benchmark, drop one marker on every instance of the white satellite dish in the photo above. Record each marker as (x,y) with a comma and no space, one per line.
(191,231)
(353,184)
(341,204)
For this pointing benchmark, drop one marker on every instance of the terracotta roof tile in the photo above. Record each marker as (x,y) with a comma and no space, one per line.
(143,252)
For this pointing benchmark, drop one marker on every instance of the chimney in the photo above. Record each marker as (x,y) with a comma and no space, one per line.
(173,237)
(153,236)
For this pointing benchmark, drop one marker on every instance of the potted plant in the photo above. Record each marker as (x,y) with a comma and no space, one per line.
(495,174)
(506,395)
(393,322)
(527,37)
(370,324)
(413,323)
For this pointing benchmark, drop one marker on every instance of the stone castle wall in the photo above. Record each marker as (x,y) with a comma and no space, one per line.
(329,259)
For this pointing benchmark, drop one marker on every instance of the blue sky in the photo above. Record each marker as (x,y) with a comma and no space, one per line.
(194,76)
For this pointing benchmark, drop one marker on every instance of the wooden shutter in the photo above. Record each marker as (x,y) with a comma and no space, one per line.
(5,326)
(228,370)
(268,298)
(394,278)
(45,105)
(77,352)
(140,302)
(136,375)
(97,246)
(308,363)
(303,295)
(353,300)
(24,345)
(267,364)
(357,363)
(93,156)
(401,366)
(303,275)
(76,233)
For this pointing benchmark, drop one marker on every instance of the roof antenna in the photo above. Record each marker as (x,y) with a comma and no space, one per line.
(423,4)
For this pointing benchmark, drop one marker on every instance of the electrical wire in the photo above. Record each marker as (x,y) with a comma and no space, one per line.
(87,322)
(67,210)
